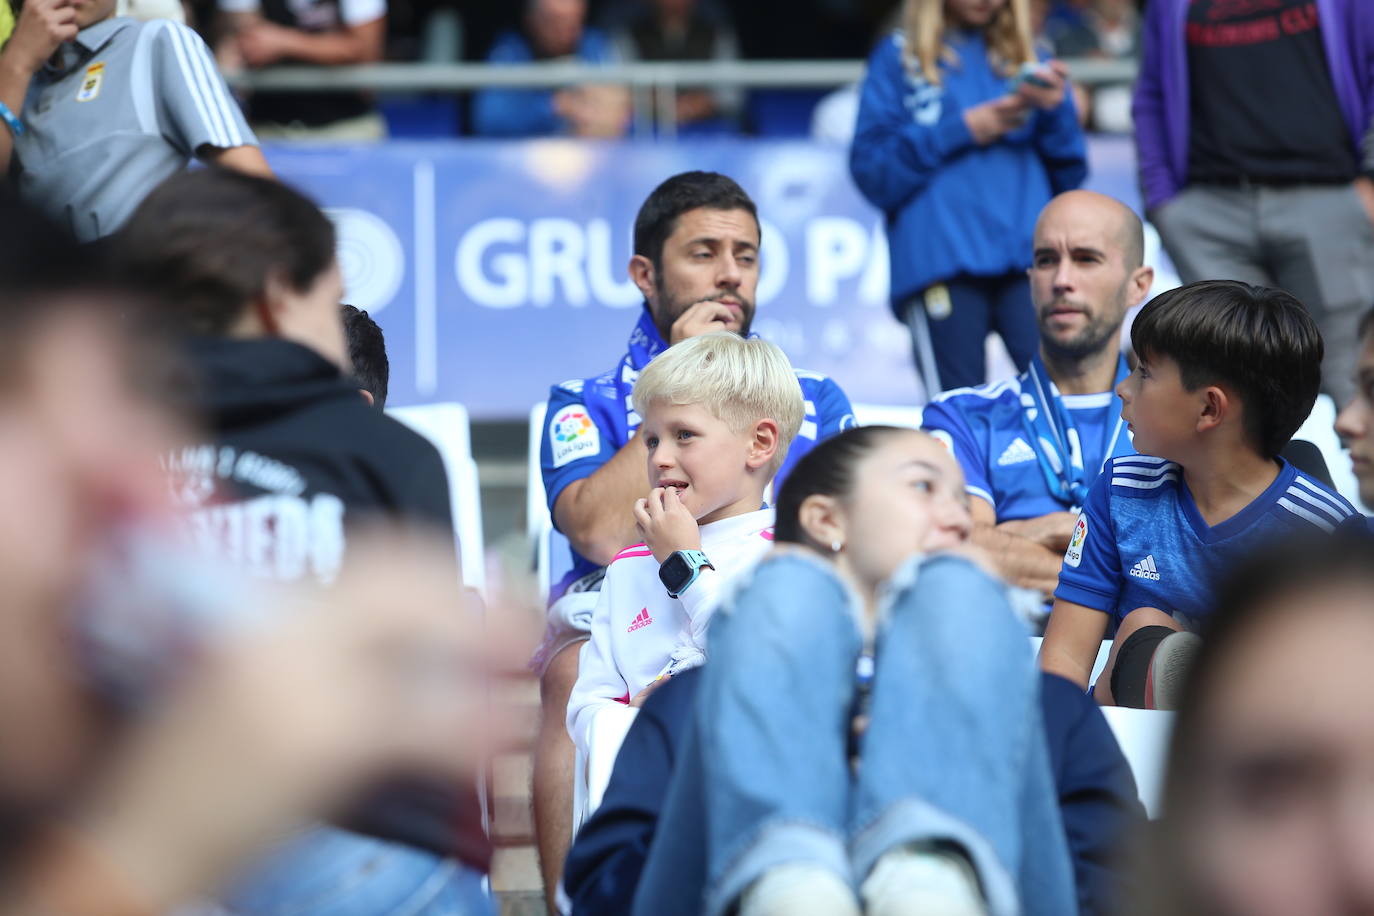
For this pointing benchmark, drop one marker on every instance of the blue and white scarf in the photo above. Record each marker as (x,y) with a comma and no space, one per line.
(1050,427)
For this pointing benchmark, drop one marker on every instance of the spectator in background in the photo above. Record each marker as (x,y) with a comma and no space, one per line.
(680,30)
(553,30)
(367,355)
(1355,423)
(1267,806)
(961,147)
(296,462)
(98,110)
(1256,151)
(322,33)
(1031,448)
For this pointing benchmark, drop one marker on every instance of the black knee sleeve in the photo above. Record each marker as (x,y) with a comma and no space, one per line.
(1133,665)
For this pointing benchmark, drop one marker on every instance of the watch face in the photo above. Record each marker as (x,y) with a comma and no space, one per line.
(675,572)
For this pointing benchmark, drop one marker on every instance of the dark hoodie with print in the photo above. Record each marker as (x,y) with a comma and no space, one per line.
(297,459)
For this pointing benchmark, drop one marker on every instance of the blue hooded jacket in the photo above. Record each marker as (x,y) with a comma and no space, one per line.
(953,207)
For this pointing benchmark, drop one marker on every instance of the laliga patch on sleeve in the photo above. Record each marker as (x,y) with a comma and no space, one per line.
(1074,555)
(944,438)
(573,435)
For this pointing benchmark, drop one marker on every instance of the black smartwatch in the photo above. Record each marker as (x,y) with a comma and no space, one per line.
(681,569)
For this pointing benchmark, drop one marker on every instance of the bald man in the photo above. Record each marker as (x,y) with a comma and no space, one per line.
(1031,447)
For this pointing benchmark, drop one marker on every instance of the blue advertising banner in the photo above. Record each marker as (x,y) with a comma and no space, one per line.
(497,269)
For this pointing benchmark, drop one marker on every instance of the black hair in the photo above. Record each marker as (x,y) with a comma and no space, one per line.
(658,216)
(204,244)
(367,353)
(826,470)
(1259,341)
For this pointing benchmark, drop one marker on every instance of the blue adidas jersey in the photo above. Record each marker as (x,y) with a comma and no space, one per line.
(589,420)
(983,427)
(1141,542)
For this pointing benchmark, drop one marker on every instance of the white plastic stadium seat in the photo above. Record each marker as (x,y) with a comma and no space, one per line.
(1144,739)
(446,426)
(887,415)
(552,552)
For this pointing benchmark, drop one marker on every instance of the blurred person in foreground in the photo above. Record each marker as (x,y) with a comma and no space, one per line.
(849,517)
(367,360)
(320,33)
(1268,802)
(145,748)
(98,110)
(292,462)
(553,30)
(1254,131)
(964,134)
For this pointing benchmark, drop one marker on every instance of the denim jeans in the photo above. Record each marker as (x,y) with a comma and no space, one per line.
(331,872)
(954,752)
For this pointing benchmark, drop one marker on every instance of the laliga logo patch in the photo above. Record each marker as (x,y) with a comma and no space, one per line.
(91,82)
(1074,555)
(573,435)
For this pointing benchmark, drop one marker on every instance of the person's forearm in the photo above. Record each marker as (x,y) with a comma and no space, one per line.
(14,85)
(596,513)
(1019,561)
(332,48)
(247,159)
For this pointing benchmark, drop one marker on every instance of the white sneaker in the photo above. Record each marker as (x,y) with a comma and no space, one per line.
(1169,668)
(798,890)
(914,881)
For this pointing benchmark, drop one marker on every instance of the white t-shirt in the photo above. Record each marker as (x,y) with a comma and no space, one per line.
(637,627)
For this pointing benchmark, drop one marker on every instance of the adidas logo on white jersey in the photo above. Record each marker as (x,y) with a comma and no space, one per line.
(642,620)
(1146,569)
(1016,453)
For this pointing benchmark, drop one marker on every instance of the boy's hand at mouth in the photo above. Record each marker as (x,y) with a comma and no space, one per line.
(666,524)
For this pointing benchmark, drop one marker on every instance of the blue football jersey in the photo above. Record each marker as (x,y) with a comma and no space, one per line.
(589,420)
(1141,542)
(983,427)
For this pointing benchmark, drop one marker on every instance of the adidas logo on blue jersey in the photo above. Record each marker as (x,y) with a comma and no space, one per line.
(1146,569)
(1016,453)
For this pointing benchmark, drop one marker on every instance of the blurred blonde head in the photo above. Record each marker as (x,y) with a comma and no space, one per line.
(739,381)
(925,23)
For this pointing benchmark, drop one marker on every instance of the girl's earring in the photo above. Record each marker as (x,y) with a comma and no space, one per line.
(836,546)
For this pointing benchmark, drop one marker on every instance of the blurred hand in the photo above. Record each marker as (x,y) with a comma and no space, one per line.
(1364,187)
(703,318)
(283,724)
(261,43)
(1051,531)
(595,110)
(991,121)
(1056,73)
(43,25)
(665,524)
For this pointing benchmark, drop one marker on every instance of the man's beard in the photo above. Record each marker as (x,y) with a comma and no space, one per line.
(670,309)
(1096,336)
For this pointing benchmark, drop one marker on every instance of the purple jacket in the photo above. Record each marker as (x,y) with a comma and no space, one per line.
(1161,101)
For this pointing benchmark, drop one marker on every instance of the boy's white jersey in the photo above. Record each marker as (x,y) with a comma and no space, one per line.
(637,628)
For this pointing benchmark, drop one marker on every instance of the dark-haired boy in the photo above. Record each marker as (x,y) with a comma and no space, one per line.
(1227,373)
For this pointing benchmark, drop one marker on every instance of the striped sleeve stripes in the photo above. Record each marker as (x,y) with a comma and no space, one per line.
(206,87)
(1141,472)
(1310,503)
